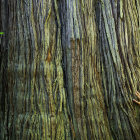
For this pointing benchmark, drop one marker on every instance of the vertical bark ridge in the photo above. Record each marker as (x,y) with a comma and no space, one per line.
(119,96)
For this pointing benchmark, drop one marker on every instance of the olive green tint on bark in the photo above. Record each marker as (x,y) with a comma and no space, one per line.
(69,69)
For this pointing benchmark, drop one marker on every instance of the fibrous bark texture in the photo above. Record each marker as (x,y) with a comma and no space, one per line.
(69,69)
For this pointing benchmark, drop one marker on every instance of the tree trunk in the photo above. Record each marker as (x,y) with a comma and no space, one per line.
(69,69)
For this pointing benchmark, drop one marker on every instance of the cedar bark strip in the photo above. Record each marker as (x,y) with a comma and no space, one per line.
(69,69)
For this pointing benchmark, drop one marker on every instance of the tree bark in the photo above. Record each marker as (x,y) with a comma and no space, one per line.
(69,69)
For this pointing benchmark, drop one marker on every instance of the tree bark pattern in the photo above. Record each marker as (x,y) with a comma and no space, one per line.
(69,69)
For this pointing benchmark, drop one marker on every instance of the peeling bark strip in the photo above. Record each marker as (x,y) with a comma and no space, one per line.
(69,69)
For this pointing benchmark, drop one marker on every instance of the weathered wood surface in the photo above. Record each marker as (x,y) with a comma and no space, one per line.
(69,69)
